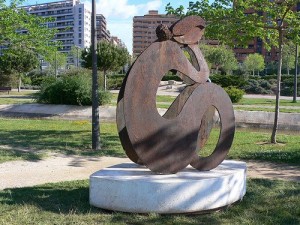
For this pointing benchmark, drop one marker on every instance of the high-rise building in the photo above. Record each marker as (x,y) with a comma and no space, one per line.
(144,29)
(117,41)
(102,32)
(258,46)
(72,19)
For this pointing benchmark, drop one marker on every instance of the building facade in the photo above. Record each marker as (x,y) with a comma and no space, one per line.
(102,32)
(72,19)
(257,45)
(144,29)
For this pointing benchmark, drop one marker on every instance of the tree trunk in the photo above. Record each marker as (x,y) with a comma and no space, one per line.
(253,72)
(105,80)
(20,83)
(275,126)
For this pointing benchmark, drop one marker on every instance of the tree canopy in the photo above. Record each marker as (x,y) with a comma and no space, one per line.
(288,56)
(110,57)
(18,28)
(239,21)
(254,62)
(220,57)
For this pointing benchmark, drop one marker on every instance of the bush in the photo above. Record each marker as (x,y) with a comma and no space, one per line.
(234,93)
(104,97)
(37,77)
(228,80)
(287,87)
(115,81)
(258,87)
(70,90)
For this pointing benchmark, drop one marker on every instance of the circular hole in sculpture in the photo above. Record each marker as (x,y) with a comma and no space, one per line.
(209,132)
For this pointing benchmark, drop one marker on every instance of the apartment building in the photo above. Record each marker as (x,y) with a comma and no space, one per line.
(257,46)
(102,32)
(72,19)
(144,29)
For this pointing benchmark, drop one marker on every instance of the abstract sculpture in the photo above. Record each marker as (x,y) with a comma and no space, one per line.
(167,144)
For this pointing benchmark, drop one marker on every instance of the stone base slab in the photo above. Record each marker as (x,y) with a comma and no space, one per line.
(129,187)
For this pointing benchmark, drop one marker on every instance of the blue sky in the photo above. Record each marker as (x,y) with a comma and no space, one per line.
(119,13)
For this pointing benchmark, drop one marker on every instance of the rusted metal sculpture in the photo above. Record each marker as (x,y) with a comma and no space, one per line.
(167,144)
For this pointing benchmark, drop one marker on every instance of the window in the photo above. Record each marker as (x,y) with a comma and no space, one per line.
(79,22)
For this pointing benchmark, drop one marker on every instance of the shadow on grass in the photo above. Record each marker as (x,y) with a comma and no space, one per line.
(8,154)
(18,97)
(30,144)
(266,202)
(274,155)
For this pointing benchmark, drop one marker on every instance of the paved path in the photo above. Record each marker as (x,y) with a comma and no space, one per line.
(57,168)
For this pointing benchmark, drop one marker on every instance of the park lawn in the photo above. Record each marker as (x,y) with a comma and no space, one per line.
(31,139)
(263,109)
(266,202)
(264,101)
(15,97)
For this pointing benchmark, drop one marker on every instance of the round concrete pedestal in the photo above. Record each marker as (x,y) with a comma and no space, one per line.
(129,187)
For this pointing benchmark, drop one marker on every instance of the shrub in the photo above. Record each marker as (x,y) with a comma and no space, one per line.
(37,76)
(287,87)
(70,90)
(228,80)
(104,97)
(115,81)
(258,87)
(234,93)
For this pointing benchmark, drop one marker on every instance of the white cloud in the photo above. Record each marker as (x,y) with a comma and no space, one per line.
(121,9)
(119,14)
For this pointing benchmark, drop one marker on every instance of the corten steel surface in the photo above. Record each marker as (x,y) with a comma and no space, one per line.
(167,144)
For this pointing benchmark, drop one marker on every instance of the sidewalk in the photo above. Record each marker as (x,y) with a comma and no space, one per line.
(57,168)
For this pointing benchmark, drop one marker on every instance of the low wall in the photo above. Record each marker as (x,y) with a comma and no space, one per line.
(258,119)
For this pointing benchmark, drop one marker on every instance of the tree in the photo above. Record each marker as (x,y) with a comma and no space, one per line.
(288,56)
(272,21)
(75,53)
(19,61)
(254,62)
(17,27)
(110,58)
(220,57)
(20,31)
(56,60)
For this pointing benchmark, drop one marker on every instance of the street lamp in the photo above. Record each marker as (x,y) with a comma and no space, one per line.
(55,64)
(296,74)
(41,65)
(95,104)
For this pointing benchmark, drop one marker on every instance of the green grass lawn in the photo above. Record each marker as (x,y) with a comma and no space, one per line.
(282,110)
(266,202)
(269,102)
(17,136)
(15,97)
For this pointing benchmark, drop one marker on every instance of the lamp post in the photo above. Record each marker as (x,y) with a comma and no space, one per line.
(41,65)
(296,74)
(77,57)
(95,104)
(55,64)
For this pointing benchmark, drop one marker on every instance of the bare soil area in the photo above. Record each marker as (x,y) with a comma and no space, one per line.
(59,167)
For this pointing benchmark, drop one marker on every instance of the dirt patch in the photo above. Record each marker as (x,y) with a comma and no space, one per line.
(58,167)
